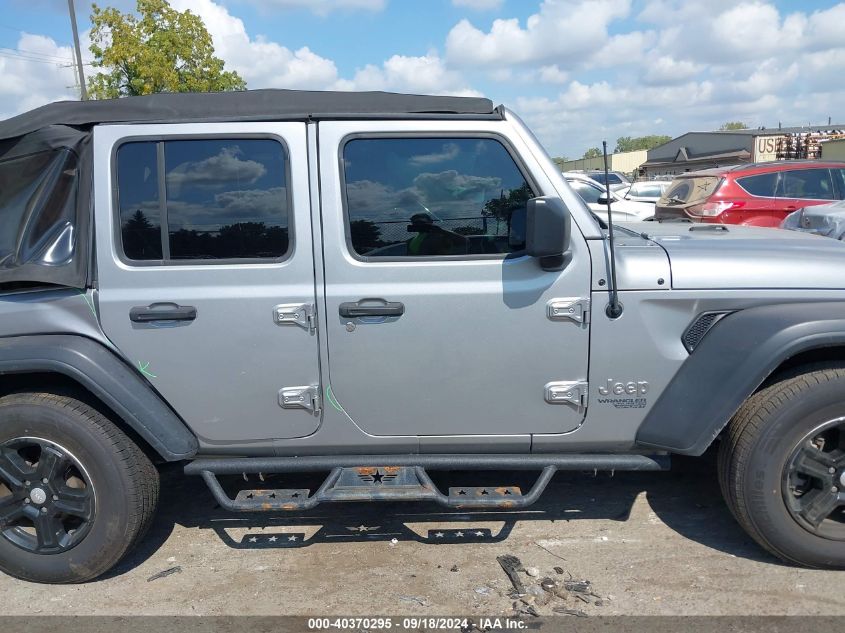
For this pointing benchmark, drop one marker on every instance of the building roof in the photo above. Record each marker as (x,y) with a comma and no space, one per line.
(249,105)
(774,131)
(683,156)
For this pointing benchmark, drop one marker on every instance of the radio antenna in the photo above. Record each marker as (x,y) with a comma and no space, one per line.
(614,307)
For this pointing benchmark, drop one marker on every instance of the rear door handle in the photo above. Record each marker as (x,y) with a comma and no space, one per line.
(162,312)
(364,308)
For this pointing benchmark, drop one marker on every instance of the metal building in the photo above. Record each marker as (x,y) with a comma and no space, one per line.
(702,150)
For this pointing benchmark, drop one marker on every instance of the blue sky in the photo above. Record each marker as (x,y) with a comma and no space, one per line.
(578,71)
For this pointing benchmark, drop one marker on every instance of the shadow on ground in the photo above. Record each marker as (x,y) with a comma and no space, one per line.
(687,499)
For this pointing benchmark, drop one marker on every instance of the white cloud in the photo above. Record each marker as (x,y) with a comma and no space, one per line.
(563,30)
(426,74)
(553,74)
(225,167)
(260,61)
(479,5)
(324,7)
(26,84)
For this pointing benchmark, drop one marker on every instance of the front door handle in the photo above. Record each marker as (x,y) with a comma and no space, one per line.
(162,312)
(368,308)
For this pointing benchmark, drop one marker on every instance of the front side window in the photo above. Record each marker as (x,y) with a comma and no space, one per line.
(220,199)
(429,197)
(588,193)
(811,184)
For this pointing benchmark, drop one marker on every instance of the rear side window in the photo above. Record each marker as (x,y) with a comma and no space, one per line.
(203,200)
(37,198)
(762,185)
(429,197)
(812,184)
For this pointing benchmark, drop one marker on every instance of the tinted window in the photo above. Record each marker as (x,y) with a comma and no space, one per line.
(806,183)
(588,193)
(225,199)
(762,185)
(433,196)
(839,177)
(138,202)
(612,178)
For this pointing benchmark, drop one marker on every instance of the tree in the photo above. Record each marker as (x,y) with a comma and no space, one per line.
(159,50)
(733,125)
(365,234)
(560,160)
(632,144)
(593,152)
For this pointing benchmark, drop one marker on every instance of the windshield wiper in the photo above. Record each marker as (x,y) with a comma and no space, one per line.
(674,200)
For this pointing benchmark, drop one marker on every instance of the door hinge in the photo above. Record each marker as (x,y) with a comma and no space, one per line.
(307,397)
(567,393)
(576,310)
(301,314)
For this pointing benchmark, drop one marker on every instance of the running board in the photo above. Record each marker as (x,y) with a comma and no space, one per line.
(401,478)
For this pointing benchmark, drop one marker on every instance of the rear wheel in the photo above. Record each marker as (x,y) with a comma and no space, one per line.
(75,492)
(782,467)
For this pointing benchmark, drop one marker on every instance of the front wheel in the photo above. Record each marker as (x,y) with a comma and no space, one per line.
(782,467)
(75,492)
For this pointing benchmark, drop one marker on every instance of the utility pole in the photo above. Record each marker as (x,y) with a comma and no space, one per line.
(83,92)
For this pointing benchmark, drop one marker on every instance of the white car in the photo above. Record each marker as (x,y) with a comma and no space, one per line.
(594,196)
(646,190)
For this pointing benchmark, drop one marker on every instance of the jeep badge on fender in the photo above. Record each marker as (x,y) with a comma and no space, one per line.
(624,388)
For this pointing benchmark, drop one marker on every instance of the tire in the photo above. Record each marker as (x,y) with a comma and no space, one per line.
(101,490)
(782,463)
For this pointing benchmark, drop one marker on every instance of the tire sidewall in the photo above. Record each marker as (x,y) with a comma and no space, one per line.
(108,533)
(762,480)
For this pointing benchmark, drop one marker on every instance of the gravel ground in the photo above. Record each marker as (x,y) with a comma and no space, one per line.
(649,543)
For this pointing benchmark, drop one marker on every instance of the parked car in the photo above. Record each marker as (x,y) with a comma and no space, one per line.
(594,195)
(223,295)
(617,179)
(760,194)
(646,190)
(822,219)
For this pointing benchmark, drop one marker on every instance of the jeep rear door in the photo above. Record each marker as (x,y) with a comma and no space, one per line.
(205,271)
(438,324)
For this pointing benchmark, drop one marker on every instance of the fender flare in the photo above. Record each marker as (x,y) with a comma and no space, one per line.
(733,359)
(110,379)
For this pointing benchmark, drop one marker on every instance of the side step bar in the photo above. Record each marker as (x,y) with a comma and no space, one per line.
(401,478)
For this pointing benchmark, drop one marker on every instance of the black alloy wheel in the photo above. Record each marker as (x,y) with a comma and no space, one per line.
(47,501)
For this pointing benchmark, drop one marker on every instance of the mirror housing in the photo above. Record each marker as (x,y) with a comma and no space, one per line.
(547,231)
(604,200)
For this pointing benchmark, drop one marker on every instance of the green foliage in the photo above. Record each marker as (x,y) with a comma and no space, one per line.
(560,160)
(733,125)
(593,152)
(632,144)
(159,50)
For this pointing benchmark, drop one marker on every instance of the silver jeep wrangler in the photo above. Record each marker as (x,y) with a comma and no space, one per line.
(379,286)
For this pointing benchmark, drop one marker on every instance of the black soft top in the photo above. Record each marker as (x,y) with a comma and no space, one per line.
(46,163)
(249,105)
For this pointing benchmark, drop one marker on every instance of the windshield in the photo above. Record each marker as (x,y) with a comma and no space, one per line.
(690,190)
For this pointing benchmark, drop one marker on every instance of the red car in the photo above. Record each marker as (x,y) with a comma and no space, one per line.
(760,194)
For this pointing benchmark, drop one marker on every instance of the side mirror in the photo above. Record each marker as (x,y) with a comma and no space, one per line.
(547,231)
(604,200)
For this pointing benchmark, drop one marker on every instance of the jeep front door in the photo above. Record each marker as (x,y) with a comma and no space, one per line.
(438,324)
